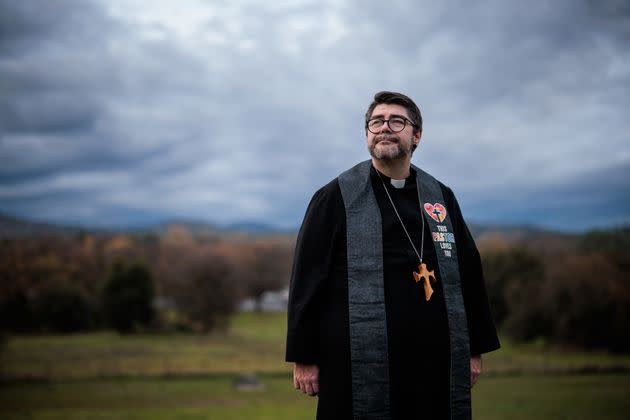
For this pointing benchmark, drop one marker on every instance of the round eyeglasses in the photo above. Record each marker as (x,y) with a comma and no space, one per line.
(395,124)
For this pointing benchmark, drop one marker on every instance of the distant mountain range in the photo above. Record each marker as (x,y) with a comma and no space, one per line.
(13,227)
(519,232)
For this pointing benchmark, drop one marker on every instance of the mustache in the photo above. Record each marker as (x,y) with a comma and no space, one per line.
(386,137)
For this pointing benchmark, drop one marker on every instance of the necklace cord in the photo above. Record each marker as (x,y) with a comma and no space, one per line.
(419,255)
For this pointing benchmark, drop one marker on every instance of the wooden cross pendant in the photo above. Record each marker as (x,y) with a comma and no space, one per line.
(428,276)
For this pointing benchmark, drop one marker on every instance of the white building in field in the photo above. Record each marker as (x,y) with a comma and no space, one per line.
(273,301)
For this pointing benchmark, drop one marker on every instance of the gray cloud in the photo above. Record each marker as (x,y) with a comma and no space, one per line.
(240,110)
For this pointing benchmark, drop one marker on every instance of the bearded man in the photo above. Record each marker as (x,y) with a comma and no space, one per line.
(388,314)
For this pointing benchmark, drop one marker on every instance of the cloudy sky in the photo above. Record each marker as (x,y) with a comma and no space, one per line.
(123,112)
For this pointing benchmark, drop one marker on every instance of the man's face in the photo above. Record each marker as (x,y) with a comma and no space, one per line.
(385,144)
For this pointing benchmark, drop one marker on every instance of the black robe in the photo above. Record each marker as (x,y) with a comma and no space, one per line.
(417,330)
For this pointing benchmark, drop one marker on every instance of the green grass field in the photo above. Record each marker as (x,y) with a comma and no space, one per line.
(253,343)
(515,398)
(186,376)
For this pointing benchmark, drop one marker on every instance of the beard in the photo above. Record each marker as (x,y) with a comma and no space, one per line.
(394,150)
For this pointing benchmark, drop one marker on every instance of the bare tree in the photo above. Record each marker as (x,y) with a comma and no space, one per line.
(268,270)
(208,293)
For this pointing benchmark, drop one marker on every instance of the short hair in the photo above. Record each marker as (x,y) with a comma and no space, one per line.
(385,97)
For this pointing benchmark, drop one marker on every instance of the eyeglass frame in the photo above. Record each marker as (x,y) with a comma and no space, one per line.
(405,119)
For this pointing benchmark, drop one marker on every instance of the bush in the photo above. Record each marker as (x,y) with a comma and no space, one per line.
(63,310)
(128,296)
(16,314)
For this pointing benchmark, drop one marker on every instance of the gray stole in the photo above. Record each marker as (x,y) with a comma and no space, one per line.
(366,296)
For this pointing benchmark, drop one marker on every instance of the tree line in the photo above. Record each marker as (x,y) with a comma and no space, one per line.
(175,281)
(568,290)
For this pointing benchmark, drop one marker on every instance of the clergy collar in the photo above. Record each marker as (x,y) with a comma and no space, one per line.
(396,183)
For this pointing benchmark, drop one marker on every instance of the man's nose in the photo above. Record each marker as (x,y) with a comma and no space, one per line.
(385,126)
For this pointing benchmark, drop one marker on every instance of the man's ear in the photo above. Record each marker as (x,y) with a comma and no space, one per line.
(417,137)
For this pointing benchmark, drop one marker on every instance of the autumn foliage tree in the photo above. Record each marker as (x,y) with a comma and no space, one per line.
(578,299)
(588,299)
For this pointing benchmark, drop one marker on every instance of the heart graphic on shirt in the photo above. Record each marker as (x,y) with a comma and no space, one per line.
(436,211)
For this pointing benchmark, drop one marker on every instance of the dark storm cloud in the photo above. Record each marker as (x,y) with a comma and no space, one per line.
(599,198)
(50,105)
(240,110)
(47,112)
